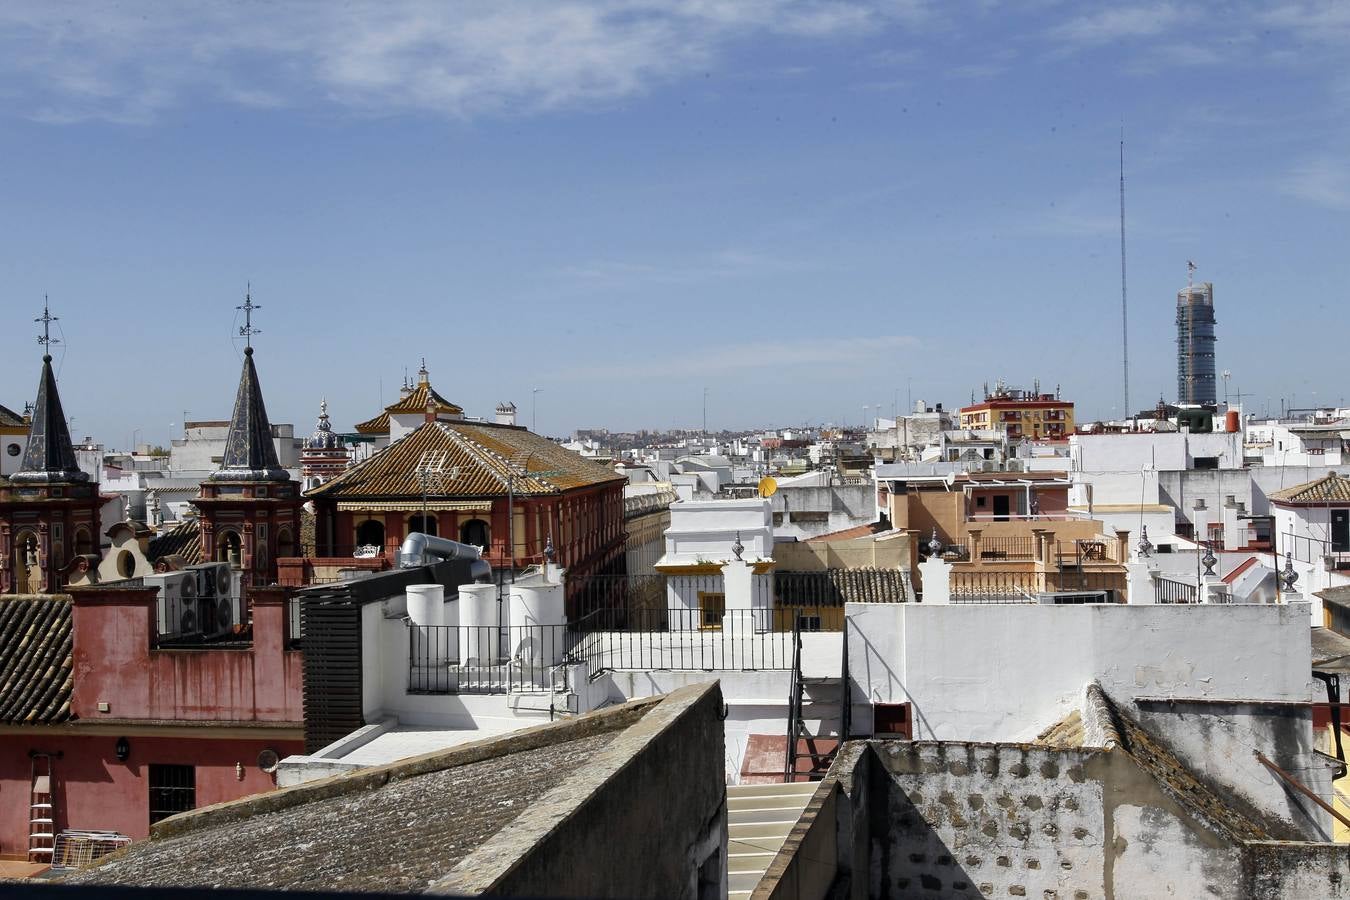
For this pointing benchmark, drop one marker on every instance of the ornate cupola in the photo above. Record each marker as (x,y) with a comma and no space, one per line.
(324,455)
(250,506)
(49,508)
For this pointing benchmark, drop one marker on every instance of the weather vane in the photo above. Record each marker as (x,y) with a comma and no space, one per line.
(46,339)
(247,331)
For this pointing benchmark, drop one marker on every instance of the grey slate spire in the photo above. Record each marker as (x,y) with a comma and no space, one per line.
(250,454)
(50,456)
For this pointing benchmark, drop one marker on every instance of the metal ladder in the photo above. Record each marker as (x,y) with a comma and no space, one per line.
(41,808)
(798,735)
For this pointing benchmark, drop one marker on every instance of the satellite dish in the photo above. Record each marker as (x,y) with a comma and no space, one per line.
(768,486)
(950,479)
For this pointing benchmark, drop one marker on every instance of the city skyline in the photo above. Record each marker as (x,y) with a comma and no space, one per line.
(805,208)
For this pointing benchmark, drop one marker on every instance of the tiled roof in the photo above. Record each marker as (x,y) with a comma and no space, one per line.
(415,401)
(9,418)
(483,454)
(377,425)
(835,587)
(184,540)
(36,677)
(1330,488)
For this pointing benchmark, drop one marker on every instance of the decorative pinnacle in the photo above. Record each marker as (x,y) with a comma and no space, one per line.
(549,552)
(1145,545)
(46,339)
(1289,576)
(1208,560)
(738,548)
(247,331)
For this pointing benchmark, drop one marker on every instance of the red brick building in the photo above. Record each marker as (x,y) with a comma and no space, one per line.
(465,480)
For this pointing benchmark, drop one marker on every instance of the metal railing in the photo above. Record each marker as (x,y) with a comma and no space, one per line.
(980,586)
(488,659)
(1311,550)
(681,639)
(1013,547)
(1169,590)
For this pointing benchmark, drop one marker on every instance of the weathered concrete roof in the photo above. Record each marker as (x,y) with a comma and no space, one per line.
(394,828)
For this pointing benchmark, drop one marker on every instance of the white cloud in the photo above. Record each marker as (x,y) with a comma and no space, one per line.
(126,63)
(1116,24)
(1323,182)
(838,355)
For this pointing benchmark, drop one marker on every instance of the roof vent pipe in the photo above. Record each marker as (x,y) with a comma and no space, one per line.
(422,549)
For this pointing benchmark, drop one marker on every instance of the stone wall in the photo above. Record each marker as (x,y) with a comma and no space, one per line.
(1010,820)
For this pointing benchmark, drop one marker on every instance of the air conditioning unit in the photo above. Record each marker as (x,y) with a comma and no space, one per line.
(177,607)
(218,598)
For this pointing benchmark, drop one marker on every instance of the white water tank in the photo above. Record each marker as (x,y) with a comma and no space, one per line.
(478,611)
(537,619)
(433,642)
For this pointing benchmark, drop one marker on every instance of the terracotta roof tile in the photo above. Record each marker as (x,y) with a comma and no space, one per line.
(377,425)
(483,454)
(183,540)
(9,418)
(415,401)
(36,678)
(1330,488)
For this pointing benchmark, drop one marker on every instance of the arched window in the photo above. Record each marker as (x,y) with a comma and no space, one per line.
(27,574)
(370,533)
(230,548)
(285,544)
(416,524)
(84,544)
(475,533)
(126,563)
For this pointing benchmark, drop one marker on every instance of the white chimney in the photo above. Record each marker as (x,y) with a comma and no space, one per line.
(506,413)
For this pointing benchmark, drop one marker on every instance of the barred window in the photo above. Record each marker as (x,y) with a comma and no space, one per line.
(173,789)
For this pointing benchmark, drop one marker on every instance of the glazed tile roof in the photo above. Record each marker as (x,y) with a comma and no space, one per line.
(1330,488)
(36,678)
(483,454)
(184,540)
(415,401)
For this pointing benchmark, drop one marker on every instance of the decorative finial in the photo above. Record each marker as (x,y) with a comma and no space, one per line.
(1289,576)
(323,408)
(247,331)
(738,548)
(46,339)
(549,552)
(1145,545)
(1208,560)
(934,545)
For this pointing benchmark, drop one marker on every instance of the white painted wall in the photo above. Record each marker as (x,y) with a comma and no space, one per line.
(705,531)
(1005,673)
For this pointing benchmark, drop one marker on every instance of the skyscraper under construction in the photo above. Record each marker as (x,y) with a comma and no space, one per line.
(1195,343)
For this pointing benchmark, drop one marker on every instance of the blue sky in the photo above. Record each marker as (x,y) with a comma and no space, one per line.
(805,207)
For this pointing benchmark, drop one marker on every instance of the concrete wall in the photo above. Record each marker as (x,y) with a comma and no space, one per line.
(645,817)
(999,820)
(891,551)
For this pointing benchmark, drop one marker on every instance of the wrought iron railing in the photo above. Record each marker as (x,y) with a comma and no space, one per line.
(681,639)
(1013,547)
(1170,590)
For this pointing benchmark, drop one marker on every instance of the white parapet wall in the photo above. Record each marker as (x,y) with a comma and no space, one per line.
(980,672)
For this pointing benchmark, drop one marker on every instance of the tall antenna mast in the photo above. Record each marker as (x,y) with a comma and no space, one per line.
(1124,308)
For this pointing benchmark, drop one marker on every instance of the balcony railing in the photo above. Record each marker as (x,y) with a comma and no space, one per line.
(488,659)
(1169,590)
(1313,550)
(1015,547)
(984,586)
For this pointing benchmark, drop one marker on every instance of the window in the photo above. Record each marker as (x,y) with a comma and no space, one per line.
(712,608)
(370,533)
(426,526)
(1206,462)
(13,450)
(474,533)
(173,789)
(892,719)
